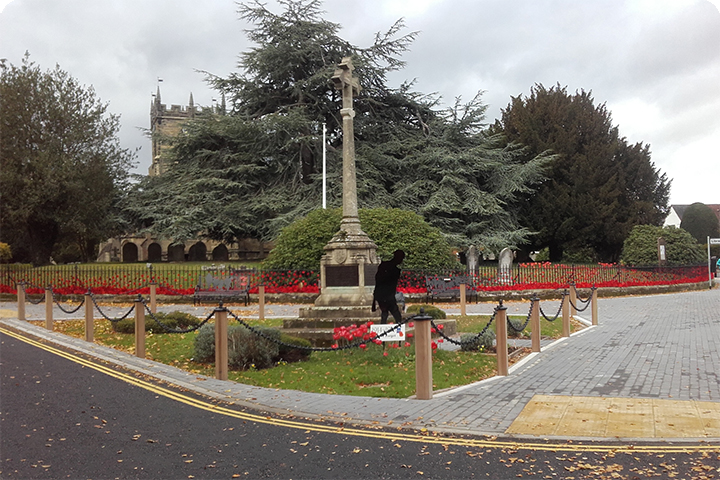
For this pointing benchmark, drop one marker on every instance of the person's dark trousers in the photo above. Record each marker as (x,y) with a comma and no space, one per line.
(388,308)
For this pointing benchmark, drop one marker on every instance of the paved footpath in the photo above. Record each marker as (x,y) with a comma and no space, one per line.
(664,347)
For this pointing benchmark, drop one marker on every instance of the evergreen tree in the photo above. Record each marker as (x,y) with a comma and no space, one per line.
(63,171)
(256,170)
(598,186)
(700,221)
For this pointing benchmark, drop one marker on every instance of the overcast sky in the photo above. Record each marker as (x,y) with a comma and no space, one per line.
(655,63)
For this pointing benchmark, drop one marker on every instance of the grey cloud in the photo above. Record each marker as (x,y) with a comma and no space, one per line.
(622,54)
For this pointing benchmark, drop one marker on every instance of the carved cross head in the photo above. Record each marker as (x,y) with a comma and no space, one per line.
(343,77)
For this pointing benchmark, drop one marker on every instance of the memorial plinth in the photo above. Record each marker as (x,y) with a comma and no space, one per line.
(347,272)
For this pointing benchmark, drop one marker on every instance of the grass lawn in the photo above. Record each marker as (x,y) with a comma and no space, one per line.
(348,372)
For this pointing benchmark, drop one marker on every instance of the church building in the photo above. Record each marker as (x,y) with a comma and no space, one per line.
(167,122)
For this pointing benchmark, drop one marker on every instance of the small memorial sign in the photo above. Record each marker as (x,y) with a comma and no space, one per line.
(662,257)
(397,333)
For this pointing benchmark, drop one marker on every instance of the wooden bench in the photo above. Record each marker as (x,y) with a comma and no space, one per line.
(217,289)
(447,287)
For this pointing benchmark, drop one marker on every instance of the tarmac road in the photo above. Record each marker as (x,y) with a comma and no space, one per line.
(67,416)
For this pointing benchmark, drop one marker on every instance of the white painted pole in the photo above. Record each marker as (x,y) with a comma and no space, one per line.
(324,188)
(710,279)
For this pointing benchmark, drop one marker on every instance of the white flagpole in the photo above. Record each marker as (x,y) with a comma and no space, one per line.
(324,186)
(710,277)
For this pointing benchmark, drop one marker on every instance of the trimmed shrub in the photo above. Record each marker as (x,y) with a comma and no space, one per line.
(179,320)
(484,342)
(300,245)
(430,310)
(247,350)
(205,344)
(640,248)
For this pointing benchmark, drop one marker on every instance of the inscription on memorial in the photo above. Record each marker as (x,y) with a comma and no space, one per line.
(341,276)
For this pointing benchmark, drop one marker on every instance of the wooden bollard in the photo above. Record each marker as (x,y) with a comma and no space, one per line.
(221,343)
(594,306)
(565,315)
(89,320)
(21,300)
(48,308)
(139,328)
(573,300)
(153,297)
(535,324)
(462,300)
(261,302)
(423,357)
(501,339)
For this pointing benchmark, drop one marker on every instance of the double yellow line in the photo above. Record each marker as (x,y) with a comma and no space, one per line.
(426,438)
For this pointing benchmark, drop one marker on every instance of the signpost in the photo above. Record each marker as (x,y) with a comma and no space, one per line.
(711,241)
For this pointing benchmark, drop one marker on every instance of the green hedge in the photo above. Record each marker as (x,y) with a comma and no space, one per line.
(300,245)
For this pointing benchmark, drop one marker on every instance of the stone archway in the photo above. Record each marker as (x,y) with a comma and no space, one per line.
(220,253)
(129,253)
(154,252)
(176,253)
(198,252)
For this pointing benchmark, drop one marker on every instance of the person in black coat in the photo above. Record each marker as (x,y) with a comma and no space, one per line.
(386,280)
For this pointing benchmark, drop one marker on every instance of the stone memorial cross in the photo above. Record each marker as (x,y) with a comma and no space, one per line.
(349,86)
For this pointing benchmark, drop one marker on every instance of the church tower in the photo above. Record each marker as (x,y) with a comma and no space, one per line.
(165,123)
